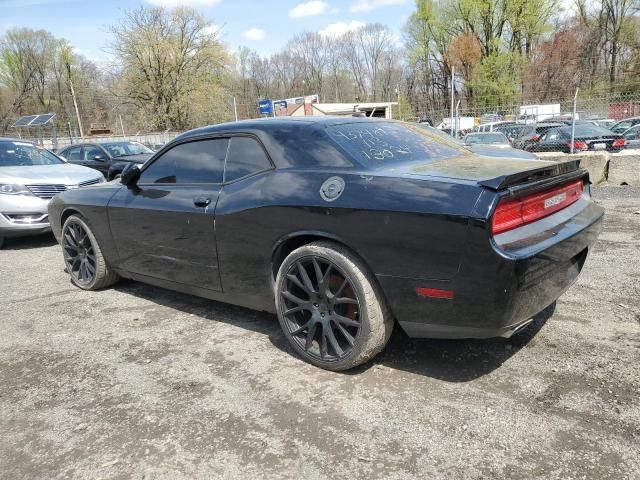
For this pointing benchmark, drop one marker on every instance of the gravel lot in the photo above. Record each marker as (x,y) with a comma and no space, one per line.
(139,382)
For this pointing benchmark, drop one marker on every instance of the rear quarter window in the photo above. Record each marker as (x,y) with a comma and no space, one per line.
(380,144)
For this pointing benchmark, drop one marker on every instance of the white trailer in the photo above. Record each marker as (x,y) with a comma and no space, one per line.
(538,113)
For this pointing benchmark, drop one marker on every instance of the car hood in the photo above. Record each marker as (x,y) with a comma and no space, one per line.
(501,151)
(139,158)
(63,174)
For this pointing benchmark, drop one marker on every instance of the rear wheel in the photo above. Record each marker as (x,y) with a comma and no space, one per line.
(1,241)
(82,256)
(330,308)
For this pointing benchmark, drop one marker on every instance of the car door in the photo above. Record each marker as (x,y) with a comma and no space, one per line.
(163,225)
(94,156)
(551,141)
(243,231)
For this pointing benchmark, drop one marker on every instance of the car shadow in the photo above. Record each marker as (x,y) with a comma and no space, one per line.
(25,243)
(447,360)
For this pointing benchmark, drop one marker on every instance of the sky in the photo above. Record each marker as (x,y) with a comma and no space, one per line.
(264,25)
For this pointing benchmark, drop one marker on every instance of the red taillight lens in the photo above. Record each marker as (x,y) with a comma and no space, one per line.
(512,213)
(619,142)
(579,145)
(535,138)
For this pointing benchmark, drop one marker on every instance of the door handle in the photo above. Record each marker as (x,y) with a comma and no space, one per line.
(201,201)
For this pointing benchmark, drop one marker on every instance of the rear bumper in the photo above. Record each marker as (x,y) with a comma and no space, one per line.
(500,288)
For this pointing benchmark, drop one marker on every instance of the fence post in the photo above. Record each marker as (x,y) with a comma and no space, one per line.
(573,119)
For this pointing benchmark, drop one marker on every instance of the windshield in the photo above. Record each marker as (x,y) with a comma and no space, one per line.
(16,154)
(381,144)
(620,126)
(120,149)
(486,138)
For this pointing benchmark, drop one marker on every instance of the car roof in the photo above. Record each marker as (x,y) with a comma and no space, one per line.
(486,133)
(10,139)
(271,124)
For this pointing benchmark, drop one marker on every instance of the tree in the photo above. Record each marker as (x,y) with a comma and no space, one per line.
(172,66)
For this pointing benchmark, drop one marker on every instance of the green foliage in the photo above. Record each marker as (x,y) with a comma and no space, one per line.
(495,80)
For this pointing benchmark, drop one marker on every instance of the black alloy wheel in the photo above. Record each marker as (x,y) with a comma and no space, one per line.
(79,253)
(321,308)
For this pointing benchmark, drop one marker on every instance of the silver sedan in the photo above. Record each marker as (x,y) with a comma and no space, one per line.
(29,177)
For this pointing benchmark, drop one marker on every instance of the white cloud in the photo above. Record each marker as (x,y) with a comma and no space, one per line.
(368,5)
(183,3)
(212,29)
(340,28)
(313,7)
(254,34)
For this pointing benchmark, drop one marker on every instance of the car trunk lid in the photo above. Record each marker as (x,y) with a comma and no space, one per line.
(495,173)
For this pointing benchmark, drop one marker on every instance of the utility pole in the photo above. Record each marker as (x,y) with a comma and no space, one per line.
(573,119)
(453,69)
(235,108)
(75,102)
(457,119)
(121,125)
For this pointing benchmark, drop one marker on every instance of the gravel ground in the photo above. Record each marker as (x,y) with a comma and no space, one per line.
(139,382)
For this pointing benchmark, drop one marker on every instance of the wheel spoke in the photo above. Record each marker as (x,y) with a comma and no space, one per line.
(346,334)
(298,331)
(71,242)
(291,297)
(339,291)
(310,334)
(334,341)
(305,277)
(345,321)
(298,283)
(323,344)
(318,271)
(341,300)
(326,274)
(293,310)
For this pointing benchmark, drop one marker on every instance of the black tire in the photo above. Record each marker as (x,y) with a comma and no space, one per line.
(83,257)
(326,329)
(1,241)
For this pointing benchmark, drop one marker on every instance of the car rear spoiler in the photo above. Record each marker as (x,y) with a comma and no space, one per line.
(526,176)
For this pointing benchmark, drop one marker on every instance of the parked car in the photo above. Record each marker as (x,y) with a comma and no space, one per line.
(29,177)
(624,125)
(483,150)
(530,134)
(341,226)
(586,137)
(632,136)
(110,158)
(492,126)
(486,138)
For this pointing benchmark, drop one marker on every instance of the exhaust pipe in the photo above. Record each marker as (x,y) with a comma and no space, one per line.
(511,332)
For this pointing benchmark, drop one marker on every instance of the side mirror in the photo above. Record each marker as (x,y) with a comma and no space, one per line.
(100,158)
(130,174)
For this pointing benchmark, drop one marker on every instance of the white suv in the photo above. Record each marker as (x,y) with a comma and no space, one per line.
(29,177)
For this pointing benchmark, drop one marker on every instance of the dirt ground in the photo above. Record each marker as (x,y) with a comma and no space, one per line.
(139,382)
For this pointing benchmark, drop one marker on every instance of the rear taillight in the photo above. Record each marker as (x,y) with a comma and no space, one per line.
(579,145)
(535,138)
(512,213)
(619,142)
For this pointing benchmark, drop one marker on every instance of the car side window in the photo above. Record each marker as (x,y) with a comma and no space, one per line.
(73,154)
(201,161)
(92,151)
(245,157)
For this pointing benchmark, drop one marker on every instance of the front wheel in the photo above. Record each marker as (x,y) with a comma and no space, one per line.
(83,257)
(330,308)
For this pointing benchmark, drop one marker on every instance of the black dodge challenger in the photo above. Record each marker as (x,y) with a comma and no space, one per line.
(342,227)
